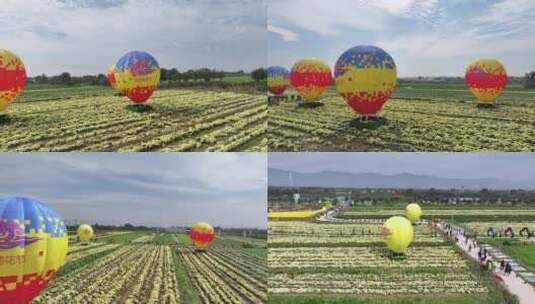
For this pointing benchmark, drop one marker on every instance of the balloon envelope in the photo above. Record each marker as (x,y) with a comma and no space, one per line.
(366,77)
(202,234)
(85,233)
(486,79)
(278,80)
(397,233)
(110,75)
(137,75)
(311,77)
(12,78)
(413,212)
(33,246)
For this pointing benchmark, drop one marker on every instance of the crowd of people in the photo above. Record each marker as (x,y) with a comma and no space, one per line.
(471,244)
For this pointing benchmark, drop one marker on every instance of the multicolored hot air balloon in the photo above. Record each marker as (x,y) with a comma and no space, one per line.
(397,233)
(12,78)
(413,212)
(110,75)
(311,77)
(33,247)
(278,80)
(486,79)
(85,233)
(137,75)
(366,77)
(202,234)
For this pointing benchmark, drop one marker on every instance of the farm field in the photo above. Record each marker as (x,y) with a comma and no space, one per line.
(93,119)
(520,247)
(459,214)
(143,267)
(313,262)
(419,117)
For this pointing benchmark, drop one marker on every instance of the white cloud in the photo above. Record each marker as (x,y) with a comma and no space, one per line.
(286,34)
(83,37)
(328,17)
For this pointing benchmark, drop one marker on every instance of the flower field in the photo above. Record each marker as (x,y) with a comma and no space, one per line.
(141,267)
(179,120)
(420,117)
(307,234)
(317,260)
(481,227)
(307,214)
(504,212)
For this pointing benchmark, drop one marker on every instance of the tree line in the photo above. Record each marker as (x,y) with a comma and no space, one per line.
(173,74)
(311,195)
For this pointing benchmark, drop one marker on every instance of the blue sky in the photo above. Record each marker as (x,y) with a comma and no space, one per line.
(504,166)
(425,37)
(155,189)
(87,36)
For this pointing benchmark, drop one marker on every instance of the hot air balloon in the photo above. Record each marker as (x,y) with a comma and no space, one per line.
(110,75)
(486,79)
(85,233)
(365,77)
(413,212)
(278,80)
(397,233)
(310,77)
(33,247)
(137,75)
(12,78)
(202,234)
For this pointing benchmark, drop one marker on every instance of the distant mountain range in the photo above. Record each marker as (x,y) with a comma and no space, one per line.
(332,179)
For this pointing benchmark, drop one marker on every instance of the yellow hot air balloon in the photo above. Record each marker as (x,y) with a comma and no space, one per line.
(202,234)
(413,212)
(85,233)
(397,233)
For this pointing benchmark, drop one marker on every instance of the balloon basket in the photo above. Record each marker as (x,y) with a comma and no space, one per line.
(139,108)
(482,105)
(5,119)
(310,105)
(367,123)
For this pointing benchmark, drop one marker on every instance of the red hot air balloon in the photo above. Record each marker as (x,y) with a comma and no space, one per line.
(486,79)
(110,75)
(12,78)
(202,234)
(311,77)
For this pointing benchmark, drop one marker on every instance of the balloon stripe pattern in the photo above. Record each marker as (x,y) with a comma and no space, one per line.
(486,79)
(33,246)
(278,79)
(202,235)
(137,74)
(365,77)
(12,78)
(311,77)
